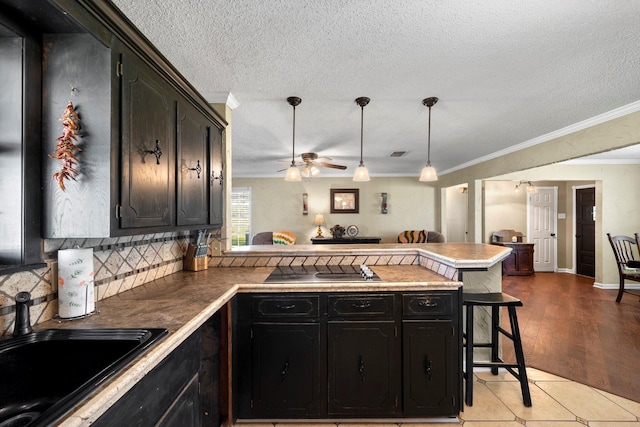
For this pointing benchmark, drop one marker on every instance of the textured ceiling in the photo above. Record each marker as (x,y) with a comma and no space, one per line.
(506,73)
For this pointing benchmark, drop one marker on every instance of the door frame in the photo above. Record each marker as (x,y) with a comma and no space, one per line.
(555,223)
(574,259)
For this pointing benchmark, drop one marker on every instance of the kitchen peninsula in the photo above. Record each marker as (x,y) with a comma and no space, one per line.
(185,301)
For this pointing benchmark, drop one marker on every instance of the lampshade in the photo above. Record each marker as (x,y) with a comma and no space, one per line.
(429,172)
(319,221)
(293,173)
(361,174)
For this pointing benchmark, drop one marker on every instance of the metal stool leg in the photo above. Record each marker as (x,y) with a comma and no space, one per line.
(469,358)
(517,346)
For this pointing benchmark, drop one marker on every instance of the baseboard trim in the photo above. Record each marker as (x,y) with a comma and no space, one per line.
(615,286)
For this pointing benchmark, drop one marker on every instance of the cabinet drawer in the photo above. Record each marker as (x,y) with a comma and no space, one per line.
(428,304)
(349,306)
(265,307)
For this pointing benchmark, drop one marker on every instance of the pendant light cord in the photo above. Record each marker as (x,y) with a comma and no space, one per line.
(429,140)
(293,150)
(361,133)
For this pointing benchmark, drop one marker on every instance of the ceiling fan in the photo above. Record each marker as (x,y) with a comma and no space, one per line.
(311,163)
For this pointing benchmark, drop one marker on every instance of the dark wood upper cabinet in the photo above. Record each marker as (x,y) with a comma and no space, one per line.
(193,165)
(216,178)
(145,133)
(148,147)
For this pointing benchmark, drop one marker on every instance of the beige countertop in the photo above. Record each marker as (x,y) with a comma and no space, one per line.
(458,255)
(182,302)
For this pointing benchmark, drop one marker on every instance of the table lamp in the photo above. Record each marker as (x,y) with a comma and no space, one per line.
(319,221)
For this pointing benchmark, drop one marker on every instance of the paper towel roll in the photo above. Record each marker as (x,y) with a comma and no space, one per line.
(75,283)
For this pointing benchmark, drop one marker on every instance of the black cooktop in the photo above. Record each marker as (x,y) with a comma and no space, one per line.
(321,273)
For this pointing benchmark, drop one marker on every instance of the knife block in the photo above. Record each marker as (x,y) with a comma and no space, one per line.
(195,263)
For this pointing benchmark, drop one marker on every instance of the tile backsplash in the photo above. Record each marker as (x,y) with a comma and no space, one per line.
(120,264)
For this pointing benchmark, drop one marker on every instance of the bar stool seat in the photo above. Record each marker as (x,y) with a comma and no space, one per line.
(494,300)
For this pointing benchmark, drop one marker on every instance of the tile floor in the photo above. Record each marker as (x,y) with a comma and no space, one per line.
(497,402)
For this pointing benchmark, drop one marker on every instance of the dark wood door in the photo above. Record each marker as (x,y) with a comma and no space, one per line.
(216,178)
(362,369)
(429,368)
(148,147)
(193,166)
(585,232)
(286,380)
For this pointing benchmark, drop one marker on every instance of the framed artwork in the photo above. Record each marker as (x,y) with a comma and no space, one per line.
(344,200)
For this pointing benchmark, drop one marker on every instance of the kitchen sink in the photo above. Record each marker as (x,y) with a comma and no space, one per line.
(45,374)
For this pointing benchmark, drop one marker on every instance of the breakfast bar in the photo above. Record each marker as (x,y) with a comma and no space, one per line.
(183,302)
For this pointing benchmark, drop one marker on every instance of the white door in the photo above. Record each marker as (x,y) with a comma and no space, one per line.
(541,227)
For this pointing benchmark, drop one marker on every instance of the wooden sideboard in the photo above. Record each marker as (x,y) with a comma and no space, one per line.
(344,240)
(520,261)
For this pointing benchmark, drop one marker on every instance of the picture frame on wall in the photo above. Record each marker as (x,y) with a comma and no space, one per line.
(345,200)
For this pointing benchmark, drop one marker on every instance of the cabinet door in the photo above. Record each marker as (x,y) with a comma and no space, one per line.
(363,380)
(185,410)
(286,380)
(148,147)
(193,166)
(216,178)
(429,368)
(525,259)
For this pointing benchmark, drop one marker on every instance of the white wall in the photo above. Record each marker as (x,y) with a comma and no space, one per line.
(277,205)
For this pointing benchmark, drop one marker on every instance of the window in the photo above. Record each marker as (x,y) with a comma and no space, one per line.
(20,106)
(240,216)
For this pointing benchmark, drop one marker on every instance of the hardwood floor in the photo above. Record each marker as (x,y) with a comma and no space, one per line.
(576,331)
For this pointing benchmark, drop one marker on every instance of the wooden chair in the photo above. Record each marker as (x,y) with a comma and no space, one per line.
(627,252)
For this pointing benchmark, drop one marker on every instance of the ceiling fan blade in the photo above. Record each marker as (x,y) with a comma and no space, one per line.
(332,166)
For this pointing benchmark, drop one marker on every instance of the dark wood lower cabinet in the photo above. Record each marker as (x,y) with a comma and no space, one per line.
(285,366)
(429,368)
(344,355)
(185,410)
(156,394)
(182,391)
(362,369)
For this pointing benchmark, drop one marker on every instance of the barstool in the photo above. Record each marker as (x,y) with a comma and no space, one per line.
(495,301)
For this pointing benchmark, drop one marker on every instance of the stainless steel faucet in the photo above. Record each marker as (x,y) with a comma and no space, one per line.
(23,322)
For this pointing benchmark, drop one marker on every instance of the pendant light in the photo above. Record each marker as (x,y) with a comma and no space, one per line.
(429,172)
(293,173)
(361,174)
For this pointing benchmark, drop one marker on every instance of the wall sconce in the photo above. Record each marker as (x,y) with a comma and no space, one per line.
(383,207)
(530,187)
(319,221)
(305,211)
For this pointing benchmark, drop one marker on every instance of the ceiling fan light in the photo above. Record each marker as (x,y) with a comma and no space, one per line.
(361,174)
(314,171)
(293,174)
(428,174)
